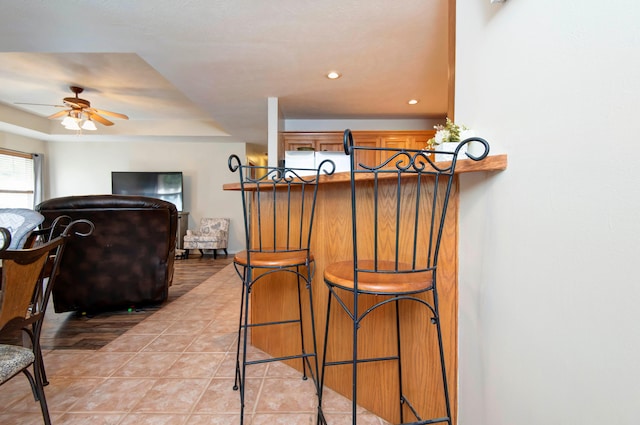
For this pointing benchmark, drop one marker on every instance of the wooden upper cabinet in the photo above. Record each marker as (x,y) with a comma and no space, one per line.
(408,140)
(332,141)
(366,157)
(396,142)
(329,141)
(420,140)
(293,142)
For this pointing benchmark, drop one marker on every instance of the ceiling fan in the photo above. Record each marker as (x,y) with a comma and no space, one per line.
(79,113)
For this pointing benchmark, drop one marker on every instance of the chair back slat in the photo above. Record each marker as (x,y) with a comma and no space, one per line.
(399,205)
(24,271)
(278,204)
(18,285)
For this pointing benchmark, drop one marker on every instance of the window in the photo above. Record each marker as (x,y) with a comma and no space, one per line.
(17,179)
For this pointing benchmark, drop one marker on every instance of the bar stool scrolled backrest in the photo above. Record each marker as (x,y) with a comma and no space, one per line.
(279,205)
(418,208)
(399,200)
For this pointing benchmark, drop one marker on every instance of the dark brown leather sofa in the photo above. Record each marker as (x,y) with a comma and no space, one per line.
(127,262)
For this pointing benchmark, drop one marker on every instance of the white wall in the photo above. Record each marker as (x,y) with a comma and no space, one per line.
(274,115)
(549,290)
(21,144)
(84,168)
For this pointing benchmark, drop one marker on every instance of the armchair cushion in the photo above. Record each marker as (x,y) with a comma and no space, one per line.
(20,222)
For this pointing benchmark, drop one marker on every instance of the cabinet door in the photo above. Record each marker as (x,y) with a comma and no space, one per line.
(330,143)
(366,157)
(416,140)
(420,140)
(394,142)
(294,144)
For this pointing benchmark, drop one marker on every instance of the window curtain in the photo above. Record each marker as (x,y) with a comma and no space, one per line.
(38,191)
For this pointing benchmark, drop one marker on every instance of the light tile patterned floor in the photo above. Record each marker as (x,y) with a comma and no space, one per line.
(176,368)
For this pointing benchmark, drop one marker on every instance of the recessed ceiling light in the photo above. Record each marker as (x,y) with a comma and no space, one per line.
(333,75)
(413,101)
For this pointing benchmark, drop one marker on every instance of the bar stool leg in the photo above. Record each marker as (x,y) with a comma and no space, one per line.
(403,402)
(400,388)
(243,327)
(354,363)
(237,378)
(354,371)
(313,368)
(303,359)
(441,350)
(316,369)
(320,419)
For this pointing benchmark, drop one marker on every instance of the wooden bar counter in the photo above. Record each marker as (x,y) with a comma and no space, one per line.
(377,381)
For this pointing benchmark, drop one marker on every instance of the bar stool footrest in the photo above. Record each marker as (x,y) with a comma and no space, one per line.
(277,359)
(374,359)
(281,322)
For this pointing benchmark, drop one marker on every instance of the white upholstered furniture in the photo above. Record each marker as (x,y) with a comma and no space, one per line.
(213,233)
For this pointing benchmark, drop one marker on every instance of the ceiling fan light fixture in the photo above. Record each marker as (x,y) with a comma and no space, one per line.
(80,115)
(73,125)
(68,120)
(71,121)
(89,125)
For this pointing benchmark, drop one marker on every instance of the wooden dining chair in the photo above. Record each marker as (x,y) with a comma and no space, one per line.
(23,305)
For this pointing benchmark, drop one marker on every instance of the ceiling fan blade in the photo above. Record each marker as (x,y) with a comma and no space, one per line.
(57,115)
(98,118)
(39,104)
(110,114)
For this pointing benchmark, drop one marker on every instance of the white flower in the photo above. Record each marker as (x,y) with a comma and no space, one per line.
(449,132)
(442,136)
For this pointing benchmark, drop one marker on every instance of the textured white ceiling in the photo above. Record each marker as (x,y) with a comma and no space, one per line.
(207,67)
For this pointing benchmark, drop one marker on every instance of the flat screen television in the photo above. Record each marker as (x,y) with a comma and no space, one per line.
(165,185)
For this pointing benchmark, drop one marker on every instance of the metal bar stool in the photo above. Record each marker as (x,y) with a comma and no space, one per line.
(399,201)
(279,204)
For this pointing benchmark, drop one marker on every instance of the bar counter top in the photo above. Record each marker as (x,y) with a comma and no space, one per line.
(490,163)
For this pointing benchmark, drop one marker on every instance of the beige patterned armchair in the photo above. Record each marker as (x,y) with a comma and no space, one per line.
(212,234)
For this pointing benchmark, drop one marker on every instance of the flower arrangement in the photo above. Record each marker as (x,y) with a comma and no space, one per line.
(449,132)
